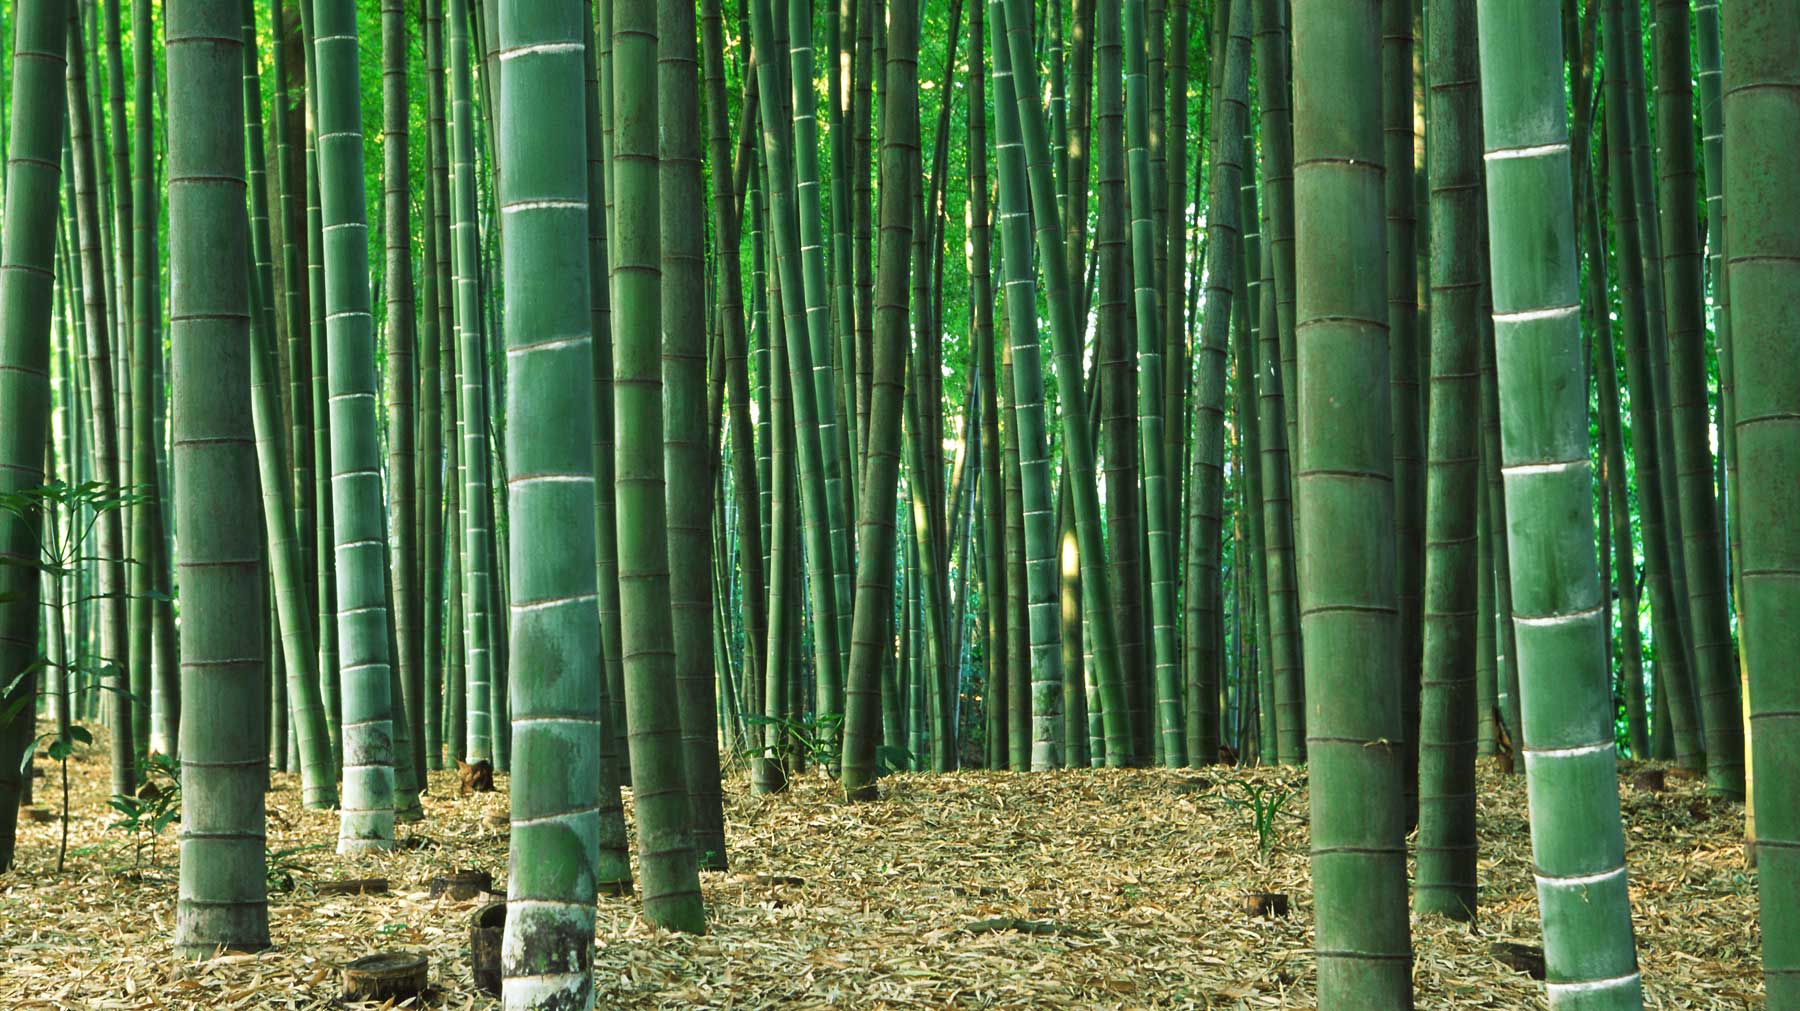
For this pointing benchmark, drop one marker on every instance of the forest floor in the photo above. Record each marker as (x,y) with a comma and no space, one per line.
(1084,889)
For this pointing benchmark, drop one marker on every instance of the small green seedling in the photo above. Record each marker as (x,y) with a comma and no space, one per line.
(1264,803)
(814,737)
(281,865)
(156,806)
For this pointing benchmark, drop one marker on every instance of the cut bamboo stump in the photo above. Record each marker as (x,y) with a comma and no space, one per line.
(486,928)
(1525,958)
(461,885)
(354,886)
(476,778)
(387,976)
(1268,905)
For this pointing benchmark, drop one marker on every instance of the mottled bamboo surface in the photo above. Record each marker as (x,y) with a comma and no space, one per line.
(1086,889)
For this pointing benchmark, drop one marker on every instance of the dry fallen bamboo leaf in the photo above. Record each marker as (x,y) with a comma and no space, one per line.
(1152,862)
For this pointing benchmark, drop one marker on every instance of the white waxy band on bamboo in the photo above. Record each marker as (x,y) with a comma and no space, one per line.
(1550,620)
(544,205)
(1532,151)
(556,344)
(543,605)
(541,49)
(1532,315)
(1573,752)
(1577,880)
(1593,985)
(1553,467)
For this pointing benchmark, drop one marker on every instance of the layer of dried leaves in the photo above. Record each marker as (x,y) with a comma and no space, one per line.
(1132,883)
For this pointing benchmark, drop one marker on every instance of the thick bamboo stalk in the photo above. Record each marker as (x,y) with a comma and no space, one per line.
(1578,844)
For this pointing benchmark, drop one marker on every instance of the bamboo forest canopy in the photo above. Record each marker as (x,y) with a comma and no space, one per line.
(661,407)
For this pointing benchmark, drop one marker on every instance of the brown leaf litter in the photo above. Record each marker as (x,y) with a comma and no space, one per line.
(1104,889)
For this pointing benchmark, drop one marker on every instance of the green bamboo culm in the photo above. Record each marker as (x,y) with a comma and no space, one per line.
(222,899)
(331,677)
(981,332)
(1206,473)
(1578,844)
(1762,138)
(686,431)
(1158,524)
(358,511)
(109,542)
(795,271)
(669,874)
(27,258)
(165,685)
(262,321)
(1275,380)
(615,848)
(1115,388)
(1027,376)
(294,618)
(152,619)
(477,504)
(1660,550)
(1684,273)
(871,635)
(1273,56)
(1346,508)
(1445,881)
(1403,369)
(431,402)
(1012,25)
(818,317)
(286,569)
(408,606)
(555,620)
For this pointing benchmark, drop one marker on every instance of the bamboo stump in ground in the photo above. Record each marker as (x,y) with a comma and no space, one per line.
(386,976)
(461,885)
(1525,958)
(476,778)
(1269,905)
(486,929)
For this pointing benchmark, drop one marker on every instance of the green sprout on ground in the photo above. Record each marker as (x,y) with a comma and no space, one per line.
(1264,803)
